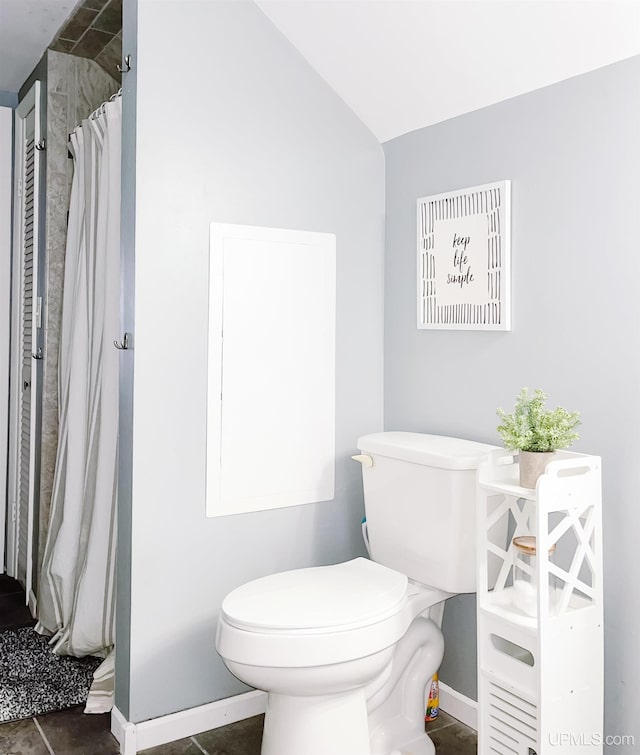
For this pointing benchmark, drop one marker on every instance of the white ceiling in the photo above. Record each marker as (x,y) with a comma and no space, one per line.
(404,64)
(26,29)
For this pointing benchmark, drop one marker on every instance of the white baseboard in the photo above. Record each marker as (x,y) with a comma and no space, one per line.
(124,731)
(459,706)
(158,731)
(186,723)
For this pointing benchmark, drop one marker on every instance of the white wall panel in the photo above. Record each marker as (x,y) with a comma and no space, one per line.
(271,397)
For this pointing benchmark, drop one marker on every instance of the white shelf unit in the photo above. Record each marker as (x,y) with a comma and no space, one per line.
(540,677)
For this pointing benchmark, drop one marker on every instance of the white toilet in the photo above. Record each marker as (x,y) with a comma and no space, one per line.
(345,651)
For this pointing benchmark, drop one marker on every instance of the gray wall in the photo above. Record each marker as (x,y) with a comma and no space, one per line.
(572,153)
(39,73)
(8,99)
(125,434)
(231,126)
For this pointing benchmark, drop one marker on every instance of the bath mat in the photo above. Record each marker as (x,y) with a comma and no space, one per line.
(34,681)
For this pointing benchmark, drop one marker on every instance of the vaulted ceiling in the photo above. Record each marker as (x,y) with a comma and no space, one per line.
(405,64)
(398,64)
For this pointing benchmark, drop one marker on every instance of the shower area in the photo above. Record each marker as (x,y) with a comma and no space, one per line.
(62,472)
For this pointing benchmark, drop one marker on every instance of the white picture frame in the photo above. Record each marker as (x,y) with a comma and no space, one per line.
(464,259)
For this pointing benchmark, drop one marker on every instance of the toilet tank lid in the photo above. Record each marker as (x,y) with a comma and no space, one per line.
(317,599)
(431,450)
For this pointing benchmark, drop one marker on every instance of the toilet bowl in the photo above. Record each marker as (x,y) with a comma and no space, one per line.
(345,651)
(329,644)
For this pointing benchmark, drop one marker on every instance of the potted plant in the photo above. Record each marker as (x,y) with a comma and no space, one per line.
(536,433)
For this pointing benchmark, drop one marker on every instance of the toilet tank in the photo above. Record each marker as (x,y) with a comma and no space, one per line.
(420,502)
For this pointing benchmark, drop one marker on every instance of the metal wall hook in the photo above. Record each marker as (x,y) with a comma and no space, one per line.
(124,344)
(41,145)
(38,353)
(127,65)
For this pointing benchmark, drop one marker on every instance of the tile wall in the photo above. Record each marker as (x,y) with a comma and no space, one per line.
(94,30)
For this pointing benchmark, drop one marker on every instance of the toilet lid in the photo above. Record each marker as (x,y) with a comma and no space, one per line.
(322,598)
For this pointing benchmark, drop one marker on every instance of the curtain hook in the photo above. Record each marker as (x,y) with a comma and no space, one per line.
(127,65)
(124,344)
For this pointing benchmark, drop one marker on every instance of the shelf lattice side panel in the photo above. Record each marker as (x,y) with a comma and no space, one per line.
(569,523)
(507,517)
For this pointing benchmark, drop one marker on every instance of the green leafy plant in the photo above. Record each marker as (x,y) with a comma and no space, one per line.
(531,427)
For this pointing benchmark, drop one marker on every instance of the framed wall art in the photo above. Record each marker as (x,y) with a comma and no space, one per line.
(464,259)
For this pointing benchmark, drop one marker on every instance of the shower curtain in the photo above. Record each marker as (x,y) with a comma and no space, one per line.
(76,600)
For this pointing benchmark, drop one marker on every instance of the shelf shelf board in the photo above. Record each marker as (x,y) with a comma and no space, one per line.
(509,487)
(500,604)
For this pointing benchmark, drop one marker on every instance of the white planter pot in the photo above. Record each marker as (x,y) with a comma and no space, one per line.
(532,465)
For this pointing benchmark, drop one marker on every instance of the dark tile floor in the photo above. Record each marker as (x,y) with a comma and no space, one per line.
(452,737)
(70,732)
(66,732)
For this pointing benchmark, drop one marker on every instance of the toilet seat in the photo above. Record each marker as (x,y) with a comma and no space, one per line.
(316,616)
(318,599)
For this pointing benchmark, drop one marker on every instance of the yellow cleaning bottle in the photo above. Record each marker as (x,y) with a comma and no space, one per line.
(433,702)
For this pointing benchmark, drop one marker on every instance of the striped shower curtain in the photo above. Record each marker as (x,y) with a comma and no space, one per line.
(76,596)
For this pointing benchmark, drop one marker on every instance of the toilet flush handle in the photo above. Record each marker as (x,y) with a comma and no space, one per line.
(364,459)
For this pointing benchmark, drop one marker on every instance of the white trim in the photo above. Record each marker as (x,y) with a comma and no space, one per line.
(6,188)
(36,327)
(15,366)
(459,706)
(124,731)
(158,731)
(32,102)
